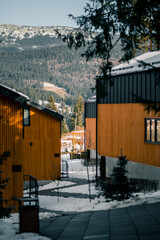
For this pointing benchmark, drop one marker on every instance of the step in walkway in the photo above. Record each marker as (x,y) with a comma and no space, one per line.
(141,222)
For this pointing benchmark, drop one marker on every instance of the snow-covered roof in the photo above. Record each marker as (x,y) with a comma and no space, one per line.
(91,99)
(12,93)
(143,62)
(66,140)
(77,132)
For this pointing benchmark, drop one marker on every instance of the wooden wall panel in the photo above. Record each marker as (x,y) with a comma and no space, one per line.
(90,133)
(11,132)
(121,126)
(41,143)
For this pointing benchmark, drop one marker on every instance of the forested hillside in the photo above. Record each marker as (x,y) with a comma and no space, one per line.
(25,70)
(32,55)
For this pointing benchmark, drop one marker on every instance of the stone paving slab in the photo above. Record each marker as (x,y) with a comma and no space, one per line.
(55,227)
(76,227)
(140,222)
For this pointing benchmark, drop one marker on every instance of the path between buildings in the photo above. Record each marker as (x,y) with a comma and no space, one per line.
(141,222)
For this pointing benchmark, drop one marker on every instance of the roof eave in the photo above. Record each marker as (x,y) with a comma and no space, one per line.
(46,110)
(13,94)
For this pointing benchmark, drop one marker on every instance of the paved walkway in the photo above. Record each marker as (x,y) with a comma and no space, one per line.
(140,222)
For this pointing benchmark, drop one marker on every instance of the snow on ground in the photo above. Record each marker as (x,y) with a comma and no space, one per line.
(71,204)
(84,189)
(8,232)
(9,227)
(77,169)
(56,184)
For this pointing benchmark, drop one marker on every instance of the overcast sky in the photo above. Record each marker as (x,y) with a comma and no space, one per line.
(40,12)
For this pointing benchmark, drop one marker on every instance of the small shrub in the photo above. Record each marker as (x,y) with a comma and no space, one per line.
(4,211)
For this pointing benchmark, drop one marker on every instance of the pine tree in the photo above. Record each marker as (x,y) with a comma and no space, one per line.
(52,104)
(64,126)
(4,211)
(77,116)
(120,188)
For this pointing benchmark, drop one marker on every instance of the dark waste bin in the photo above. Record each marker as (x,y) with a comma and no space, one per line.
(29,206)
(28,216)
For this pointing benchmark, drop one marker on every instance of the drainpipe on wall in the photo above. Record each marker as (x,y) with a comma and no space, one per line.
(96,132)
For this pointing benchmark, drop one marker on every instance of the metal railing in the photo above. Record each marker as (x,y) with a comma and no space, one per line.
(30,187)
(64,168)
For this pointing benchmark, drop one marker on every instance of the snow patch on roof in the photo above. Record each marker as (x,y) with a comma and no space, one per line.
(91,99)
(146,61)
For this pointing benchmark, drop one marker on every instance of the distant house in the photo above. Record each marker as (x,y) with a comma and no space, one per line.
(66,144)
(123,124)
(90,127)
(78,140)
(32,135)
(73,141)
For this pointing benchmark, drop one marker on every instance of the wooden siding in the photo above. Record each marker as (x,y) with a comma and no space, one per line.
(90,134)
(41,142)
(11,133)
(122,126)
(33,147)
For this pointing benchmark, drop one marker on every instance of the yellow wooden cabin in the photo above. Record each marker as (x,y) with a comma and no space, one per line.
(31,133)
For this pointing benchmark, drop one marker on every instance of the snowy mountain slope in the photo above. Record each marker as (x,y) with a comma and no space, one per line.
(19,38)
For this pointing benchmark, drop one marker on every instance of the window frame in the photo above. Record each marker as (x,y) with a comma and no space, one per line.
(28,123)
(151,130)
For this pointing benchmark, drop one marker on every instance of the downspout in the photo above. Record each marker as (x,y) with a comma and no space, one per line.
(85,131)
(96,132)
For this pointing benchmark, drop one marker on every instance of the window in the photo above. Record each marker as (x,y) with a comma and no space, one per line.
(153,139)
(148,130)
(158,130)
(152,130)
(26,117)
